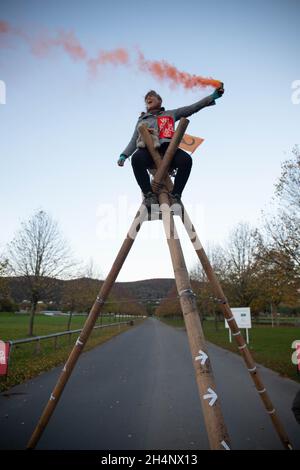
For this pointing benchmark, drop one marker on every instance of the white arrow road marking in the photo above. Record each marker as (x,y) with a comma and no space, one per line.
(202,357)
(212,395)
(226,447)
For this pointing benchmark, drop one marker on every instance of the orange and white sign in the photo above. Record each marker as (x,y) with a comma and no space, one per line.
(190,142)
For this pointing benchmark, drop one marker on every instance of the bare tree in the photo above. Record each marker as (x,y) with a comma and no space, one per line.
(276,278)
(39,254)
(78,295)
(282,231)
(287,189)
(3,266)
(205,297)
(91,271)
(4,291)
(241,271)
(217,258)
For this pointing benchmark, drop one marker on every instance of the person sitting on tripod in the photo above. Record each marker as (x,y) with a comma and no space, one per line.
(160,123)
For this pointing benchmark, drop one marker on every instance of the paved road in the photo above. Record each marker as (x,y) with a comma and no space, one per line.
(138,391)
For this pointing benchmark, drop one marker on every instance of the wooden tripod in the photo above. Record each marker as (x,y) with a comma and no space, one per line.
(214,422)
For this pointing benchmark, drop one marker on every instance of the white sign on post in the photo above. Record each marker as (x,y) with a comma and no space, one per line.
(242,317)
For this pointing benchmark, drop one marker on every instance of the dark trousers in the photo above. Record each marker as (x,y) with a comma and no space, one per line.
(141,160)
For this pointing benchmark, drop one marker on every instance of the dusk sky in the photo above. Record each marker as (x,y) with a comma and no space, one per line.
(62,128)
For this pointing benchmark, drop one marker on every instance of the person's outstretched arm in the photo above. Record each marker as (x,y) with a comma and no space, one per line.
(131,147)
(209,100)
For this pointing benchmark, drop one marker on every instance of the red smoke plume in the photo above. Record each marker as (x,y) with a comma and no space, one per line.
(68,42)
(4,27)
(164,71)
(118,56)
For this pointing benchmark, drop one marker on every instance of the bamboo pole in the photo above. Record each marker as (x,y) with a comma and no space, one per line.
(242,346)
(214,421)
(140,217)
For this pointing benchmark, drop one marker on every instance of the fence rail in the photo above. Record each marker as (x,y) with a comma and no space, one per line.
(68,332)
(37,340)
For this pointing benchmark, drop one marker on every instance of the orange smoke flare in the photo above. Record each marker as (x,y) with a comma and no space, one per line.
(68,42)
(4,27)
(71,45)
(164,71)
(118,56)
(41,45)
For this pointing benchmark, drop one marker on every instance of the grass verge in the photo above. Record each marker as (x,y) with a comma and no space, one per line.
(269,346)
(28,361)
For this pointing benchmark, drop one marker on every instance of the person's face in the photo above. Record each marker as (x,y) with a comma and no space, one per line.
(152,102)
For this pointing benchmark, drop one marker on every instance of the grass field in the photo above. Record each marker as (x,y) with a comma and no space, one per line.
(269,346)
(15,326)
(26,361)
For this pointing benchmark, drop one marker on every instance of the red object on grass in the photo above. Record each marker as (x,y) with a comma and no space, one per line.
(298,354)
(4,355)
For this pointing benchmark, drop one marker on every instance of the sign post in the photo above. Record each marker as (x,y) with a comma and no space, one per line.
(242,317)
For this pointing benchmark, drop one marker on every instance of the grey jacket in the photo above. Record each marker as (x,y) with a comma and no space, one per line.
(163,121)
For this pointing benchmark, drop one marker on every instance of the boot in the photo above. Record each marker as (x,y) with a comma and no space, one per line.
(150,199)
(175,199)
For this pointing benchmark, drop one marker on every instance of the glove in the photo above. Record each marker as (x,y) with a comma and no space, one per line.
(122,159)
(218,92)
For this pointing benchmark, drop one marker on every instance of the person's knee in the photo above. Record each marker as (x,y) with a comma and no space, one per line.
(189,161)
(139,159)
(185,161)
(132,160)
(136,160)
